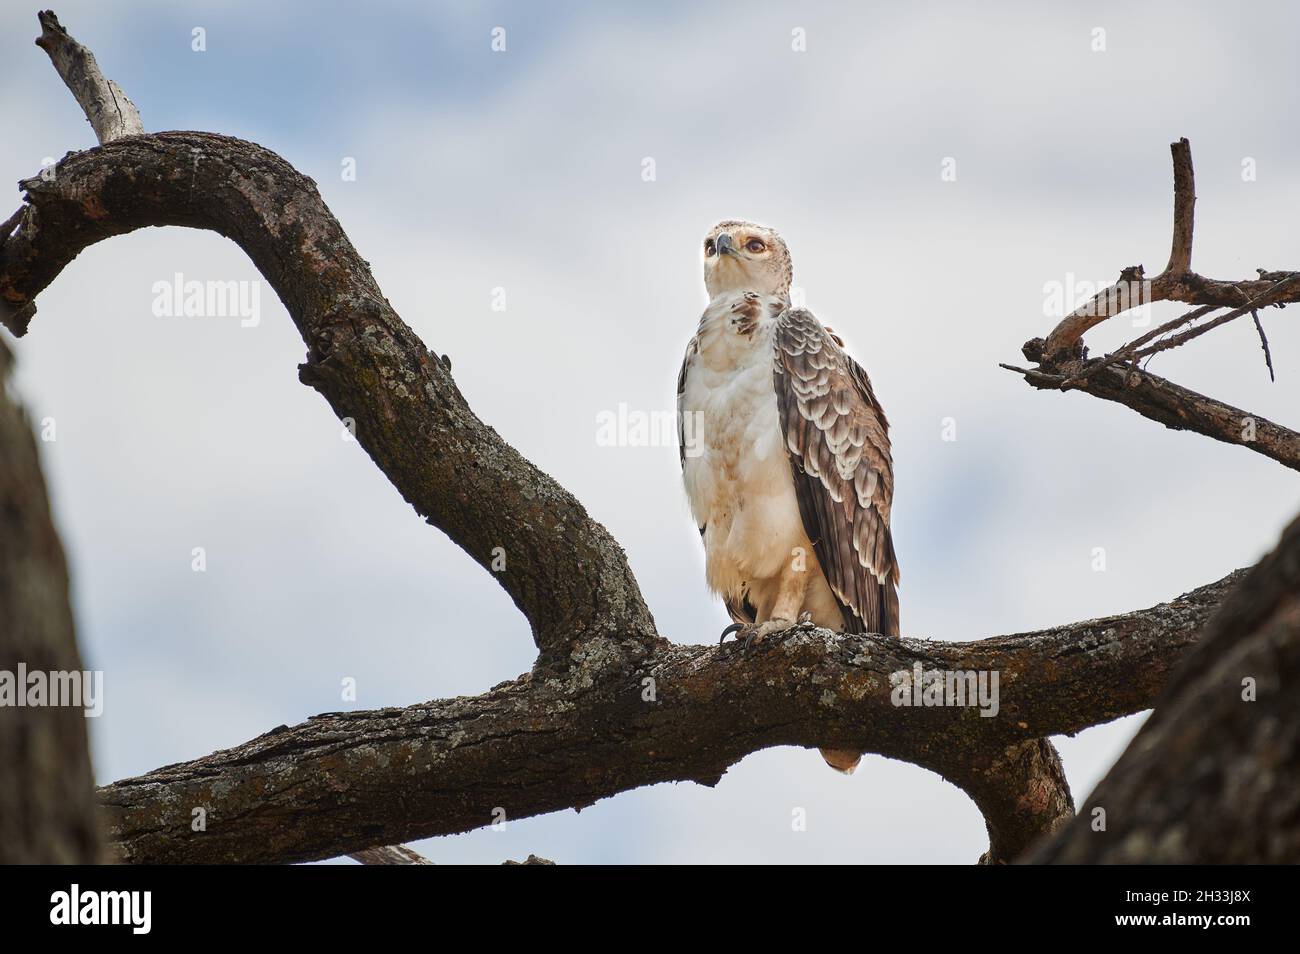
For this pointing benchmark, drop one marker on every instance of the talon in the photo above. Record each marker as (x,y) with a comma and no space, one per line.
(733,628)
(763,630)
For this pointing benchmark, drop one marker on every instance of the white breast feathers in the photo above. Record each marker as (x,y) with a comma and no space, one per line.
(736,467)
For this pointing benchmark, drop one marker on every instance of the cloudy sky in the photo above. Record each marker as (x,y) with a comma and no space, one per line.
(524,171)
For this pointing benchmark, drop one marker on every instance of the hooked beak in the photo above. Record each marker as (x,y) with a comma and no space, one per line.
(724,245)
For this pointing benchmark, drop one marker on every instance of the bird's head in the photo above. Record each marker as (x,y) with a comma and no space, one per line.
(742,256)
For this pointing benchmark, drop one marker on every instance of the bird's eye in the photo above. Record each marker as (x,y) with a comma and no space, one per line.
(709,247)
(756,245)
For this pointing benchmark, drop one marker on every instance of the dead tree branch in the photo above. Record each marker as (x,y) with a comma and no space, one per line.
(107,108)
(1181,409)
(538,744)
(1176,283)
(1063,363)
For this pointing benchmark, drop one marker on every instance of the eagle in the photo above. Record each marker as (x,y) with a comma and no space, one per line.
(787,467)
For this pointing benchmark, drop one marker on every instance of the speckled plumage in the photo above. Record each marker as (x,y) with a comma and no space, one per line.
(838,440)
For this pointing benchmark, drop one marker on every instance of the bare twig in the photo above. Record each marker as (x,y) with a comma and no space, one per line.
(1263,343)
(1133,353)
(1125,352)
(107,108)
(1196,314)
(1269,297)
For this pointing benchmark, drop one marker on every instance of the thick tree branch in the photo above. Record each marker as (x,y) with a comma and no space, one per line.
(542,743)
(1035,804)
(562,569)
(1214,775)
(47,805)
(107,108)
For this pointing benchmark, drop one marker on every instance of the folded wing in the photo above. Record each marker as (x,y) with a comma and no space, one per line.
(838,441)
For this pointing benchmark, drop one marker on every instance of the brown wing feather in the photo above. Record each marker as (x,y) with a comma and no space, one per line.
(692,346)
(838,441)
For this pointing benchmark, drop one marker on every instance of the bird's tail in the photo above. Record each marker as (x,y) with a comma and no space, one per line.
(885,623)
(842,760)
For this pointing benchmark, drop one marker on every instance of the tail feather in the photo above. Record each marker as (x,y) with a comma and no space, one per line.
(886,624)
(842,760)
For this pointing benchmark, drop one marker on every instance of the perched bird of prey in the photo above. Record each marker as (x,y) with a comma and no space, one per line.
(788,469)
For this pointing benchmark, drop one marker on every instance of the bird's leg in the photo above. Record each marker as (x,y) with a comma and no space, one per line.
(786,609)
(790,595)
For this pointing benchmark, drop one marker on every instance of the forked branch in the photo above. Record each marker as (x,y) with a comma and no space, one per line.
(1063,362)
(350,780)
